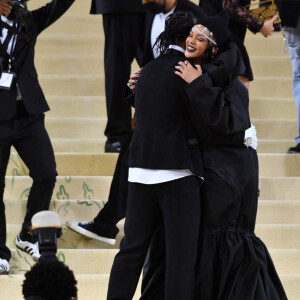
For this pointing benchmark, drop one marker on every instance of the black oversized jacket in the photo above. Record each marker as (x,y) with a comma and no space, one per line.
(23,63)
(164,137)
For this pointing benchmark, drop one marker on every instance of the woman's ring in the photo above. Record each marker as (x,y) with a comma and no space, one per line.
(186,62)
(129,84)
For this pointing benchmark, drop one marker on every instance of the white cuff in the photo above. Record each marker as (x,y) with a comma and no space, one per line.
(250,139)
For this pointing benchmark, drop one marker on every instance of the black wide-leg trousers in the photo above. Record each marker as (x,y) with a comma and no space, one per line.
(124,41)
(175,203)
(30,139)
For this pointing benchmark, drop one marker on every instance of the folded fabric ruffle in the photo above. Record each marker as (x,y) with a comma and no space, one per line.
(235,265)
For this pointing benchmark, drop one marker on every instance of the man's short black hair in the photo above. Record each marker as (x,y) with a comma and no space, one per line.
(177,28)
(50,279)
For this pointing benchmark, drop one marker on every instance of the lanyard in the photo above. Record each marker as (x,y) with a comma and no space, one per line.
(4,49)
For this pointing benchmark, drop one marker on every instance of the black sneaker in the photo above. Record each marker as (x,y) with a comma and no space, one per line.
(295,149)
(99,231)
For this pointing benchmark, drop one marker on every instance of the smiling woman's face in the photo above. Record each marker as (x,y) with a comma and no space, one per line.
(196,43)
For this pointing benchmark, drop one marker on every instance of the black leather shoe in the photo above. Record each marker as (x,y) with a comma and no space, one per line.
(113,147)
(295,149)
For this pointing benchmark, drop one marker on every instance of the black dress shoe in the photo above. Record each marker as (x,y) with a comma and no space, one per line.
(113,147)
(295,149)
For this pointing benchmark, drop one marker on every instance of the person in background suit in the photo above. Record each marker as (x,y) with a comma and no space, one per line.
(5,9)
(289,12)
(22,108)
(103,226)
(123,23)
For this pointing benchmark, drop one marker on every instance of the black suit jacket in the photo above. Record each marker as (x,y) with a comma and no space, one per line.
(164,137)
(116,6)
(23,63)
(289,11)
(182,5)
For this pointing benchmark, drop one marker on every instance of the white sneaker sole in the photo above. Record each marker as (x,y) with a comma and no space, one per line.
(4,273)
(72,225)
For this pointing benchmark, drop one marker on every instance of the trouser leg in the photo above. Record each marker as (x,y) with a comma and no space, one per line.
(293,40)
(4,157)
(34,147)
(123,34)
(141,218)
(154,270)
(115,208)
(181,214)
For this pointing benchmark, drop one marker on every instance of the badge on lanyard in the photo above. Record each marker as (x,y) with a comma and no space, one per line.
(6,80)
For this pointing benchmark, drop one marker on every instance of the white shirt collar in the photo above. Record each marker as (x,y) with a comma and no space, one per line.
(177,48)
(5,20)
(158,26)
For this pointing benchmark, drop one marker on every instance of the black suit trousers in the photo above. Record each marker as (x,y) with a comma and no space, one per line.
(175,203)
(30,139)
(115,208)
(124,36)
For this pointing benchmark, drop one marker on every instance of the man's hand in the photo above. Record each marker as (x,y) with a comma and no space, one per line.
(268,27)
(5,7)
(187,72)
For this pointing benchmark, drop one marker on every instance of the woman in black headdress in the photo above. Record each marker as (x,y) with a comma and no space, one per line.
(233,263)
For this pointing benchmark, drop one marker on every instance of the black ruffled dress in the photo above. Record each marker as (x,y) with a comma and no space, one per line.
(233,263)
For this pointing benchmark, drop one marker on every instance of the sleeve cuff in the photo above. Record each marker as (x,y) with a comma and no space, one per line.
(202,81)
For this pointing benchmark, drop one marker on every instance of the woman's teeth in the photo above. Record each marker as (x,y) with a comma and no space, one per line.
(190,48)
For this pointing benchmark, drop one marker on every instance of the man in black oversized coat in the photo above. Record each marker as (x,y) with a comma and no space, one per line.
(22,110)
(165,166)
